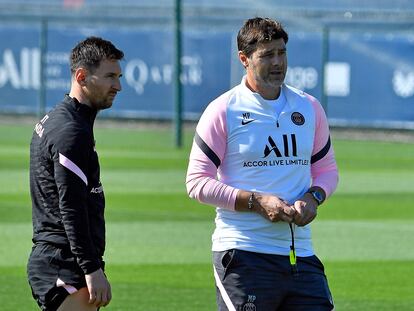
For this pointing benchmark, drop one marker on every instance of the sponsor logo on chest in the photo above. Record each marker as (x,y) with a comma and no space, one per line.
(279,149)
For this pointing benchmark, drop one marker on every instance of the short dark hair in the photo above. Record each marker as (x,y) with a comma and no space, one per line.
(90,52)
(258,30)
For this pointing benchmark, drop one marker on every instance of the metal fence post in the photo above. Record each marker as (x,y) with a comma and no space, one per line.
(325,59)
(43,83)
(177,76)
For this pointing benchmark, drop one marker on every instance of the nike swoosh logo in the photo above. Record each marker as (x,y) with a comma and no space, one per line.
(244,122)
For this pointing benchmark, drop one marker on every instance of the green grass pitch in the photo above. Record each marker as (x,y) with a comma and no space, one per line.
(158,240)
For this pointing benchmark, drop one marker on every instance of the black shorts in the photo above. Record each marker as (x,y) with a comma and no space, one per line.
(53,274)
(254,281)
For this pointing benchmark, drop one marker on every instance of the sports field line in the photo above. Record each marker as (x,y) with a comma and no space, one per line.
(114,181)
(14,151)
(354,182)
(106,154)
(189,242)
(363,240)
(172,181)
(137,155)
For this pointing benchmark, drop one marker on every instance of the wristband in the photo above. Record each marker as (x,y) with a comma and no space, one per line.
(317,196)
(251,201)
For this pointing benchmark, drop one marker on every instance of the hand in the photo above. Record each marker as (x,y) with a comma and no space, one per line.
(273,208)
(306,210)
(99,288)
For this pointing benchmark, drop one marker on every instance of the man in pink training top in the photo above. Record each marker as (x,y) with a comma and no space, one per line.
(262,156)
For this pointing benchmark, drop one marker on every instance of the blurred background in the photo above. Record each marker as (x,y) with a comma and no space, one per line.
(356,57)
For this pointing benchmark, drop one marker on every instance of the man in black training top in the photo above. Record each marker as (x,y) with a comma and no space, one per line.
(65,267)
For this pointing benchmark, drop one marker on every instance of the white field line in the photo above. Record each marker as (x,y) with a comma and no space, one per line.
(188,242)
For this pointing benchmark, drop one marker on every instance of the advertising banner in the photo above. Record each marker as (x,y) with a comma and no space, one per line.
(369,76)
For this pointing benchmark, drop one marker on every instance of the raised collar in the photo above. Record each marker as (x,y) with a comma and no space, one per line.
(84,110)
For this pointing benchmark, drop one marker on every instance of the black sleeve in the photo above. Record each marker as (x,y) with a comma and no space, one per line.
(71,158)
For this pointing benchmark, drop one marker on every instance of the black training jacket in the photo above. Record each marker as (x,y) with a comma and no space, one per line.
(67,196)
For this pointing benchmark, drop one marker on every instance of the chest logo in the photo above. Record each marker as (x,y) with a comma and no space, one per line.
(246,118)
(39,129)
(280,152)
(292,151)
(298,118)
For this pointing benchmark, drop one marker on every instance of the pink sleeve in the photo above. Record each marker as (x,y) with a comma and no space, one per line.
(323,165)
(207,153)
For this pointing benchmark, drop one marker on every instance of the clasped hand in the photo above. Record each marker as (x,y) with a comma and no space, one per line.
(301,212)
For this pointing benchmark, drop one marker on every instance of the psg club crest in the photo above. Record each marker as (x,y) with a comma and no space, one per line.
(249,305)
(298,118)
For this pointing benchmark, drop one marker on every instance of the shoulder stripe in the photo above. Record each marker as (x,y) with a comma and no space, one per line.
(72,167)
(207,150)
(316,157)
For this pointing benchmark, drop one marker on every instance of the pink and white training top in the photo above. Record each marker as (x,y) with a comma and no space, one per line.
(280,147)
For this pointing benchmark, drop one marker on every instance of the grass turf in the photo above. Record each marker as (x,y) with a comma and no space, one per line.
(158,254)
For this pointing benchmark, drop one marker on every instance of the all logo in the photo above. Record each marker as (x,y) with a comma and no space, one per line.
(288,149)
(282,153)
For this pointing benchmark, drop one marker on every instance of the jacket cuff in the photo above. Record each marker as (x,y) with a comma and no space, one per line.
(89,266)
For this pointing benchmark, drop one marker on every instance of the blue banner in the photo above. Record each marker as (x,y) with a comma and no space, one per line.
(148,69)
(371,81)
(19,67)
(369,76)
